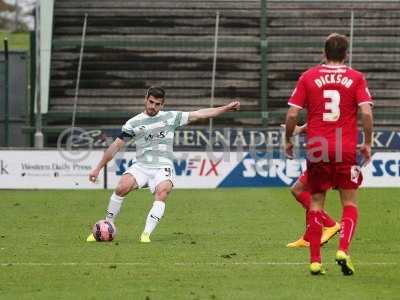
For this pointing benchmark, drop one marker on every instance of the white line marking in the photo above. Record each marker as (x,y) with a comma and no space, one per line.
(73,264)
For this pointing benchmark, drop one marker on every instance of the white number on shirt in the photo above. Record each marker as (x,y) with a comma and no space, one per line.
(332,106)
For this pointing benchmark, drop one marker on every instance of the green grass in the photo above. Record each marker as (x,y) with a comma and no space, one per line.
(211,244)
(16,41)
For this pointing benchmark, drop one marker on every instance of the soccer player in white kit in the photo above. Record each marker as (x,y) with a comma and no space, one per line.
(153,131)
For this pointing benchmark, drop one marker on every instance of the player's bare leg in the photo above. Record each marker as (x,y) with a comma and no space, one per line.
(349,224)
(126,184)
(157,211)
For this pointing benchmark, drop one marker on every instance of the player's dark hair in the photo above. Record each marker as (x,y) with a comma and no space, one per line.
(156,92)
(336,46)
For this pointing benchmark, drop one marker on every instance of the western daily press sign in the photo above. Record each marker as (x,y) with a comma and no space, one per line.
(47,169)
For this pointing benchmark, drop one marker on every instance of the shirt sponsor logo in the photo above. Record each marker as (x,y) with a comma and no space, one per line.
(151,136)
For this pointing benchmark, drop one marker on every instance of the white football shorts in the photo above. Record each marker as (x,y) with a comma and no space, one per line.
(151,177)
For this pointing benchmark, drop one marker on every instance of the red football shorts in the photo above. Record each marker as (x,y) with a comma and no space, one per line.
(324,175)
(304,180)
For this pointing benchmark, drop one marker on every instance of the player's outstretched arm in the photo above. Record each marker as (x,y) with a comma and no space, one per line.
(107,156)
(206,113)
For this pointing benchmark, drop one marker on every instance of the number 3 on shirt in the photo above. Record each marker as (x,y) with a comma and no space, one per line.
(332,106)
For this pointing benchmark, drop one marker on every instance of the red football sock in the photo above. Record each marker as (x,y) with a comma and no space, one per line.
(306,235)
(304,199)
(349,223)
(314,232)
(327,219)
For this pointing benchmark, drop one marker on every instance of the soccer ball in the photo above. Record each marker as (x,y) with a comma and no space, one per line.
(104,231)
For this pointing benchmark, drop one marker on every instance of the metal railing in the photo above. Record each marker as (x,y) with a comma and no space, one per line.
(4,78)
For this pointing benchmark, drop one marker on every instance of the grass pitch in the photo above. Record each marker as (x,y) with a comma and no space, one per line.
(211,244)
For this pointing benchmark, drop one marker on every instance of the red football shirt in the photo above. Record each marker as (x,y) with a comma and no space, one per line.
(331,95)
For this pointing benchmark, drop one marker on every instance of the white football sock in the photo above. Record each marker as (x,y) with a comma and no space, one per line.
(154,216)
(113,207)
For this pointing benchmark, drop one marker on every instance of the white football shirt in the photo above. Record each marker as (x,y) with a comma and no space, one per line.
(154,137)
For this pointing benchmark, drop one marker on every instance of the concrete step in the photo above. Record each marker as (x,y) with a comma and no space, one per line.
(158,12)
(160,55)
(157,75)
(334,21)
(172,30)
(121,102)
(174,93)
(237,30)
(317,6)
(123,85)
(158,4)
(138,66)
(146,20)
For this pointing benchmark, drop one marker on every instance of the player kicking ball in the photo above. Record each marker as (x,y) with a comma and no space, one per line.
(153,132)
(301,193)
(332,94)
